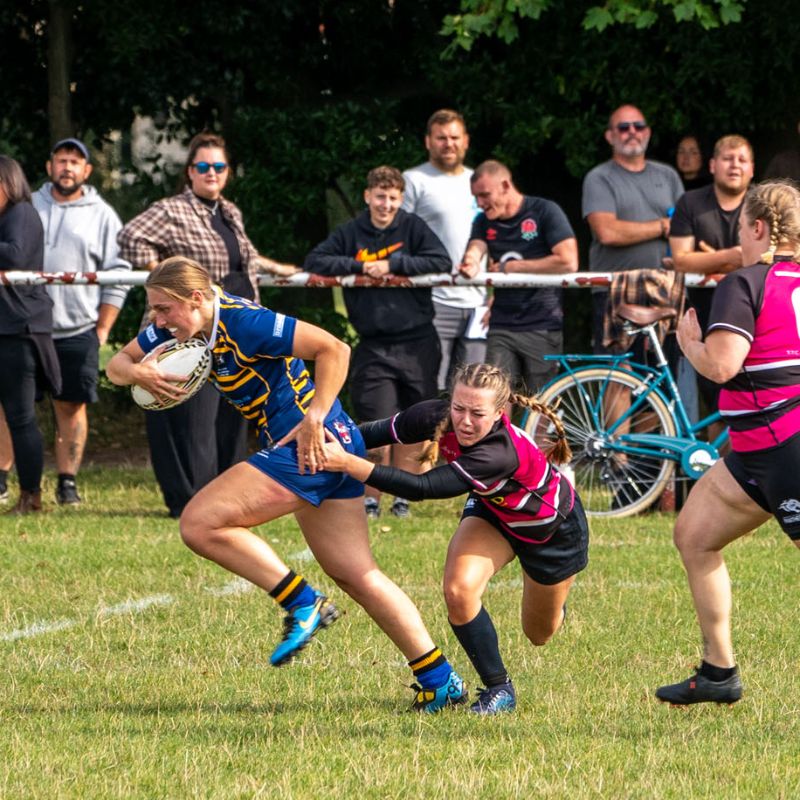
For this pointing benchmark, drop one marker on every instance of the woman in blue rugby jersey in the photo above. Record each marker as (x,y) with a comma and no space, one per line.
(257,365)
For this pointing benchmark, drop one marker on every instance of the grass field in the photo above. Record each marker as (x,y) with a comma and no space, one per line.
(132,668)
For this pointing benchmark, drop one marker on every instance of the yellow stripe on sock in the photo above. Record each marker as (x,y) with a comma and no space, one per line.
(428,660)
(289,589)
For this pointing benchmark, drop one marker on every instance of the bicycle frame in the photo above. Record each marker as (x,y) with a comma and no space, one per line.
(694,456)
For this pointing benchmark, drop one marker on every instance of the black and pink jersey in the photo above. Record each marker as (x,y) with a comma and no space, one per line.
(762,402)
(506,470)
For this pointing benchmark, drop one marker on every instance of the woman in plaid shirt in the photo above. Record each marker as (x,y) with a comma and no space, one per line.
(194,442)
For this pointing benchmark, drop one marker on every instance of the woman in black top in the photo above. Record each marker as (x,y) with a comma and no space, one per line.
(26,324)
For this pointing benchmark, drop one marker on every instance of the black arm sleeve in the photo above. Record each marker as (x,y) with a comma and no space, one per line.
(378,433)
(440,482)
(415,424)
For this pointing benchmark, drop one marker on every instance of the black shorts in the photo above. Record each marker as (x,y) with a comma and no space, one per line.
(564,554)
(80,361)
(387,378)
(769,479)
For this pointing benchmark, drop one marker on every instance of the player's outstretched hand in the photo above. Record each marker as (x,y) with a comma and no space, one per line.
(335,454)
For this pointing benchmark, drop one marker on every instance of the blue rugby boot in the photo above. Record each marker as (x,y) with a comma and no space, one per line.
(451,693)
(300,625)
(495,700)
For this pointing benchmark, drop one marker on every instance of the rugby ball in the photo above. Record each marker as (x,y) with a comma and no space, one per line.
(191,358)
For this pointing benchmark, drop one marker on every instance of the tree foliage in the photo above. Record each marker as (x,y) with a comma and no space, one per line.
(500,18)
(312,93)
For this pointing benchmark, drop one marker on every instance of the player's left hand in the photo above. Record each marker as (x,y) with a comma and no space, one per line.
(689,330)
(310,440)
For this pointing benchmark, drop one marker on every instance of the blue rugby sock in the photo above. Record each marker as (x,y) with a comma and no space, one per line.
(293,591)
(431,669)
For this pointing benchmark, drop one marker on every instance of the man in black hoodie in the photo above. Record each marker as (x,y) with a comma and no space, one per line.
(396,361)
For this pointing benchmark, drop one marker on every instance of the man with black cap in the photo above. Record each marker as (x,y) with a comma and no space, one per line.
(80,236)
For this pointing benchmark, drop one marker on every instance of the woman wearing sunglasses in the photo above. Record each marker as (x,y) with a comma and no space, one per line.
(194,442)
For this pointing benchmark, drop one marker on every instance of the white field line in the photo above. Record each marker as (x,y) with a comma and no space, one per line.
(37,629)
(236,586)
(135,606)
(132,606)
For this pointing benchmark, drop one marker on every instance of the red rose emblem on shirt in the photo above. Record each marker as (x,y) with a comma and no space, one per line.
(529,229)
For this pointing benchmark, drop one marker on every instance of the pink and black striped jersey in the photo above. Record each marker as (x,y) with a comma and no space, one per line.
(506,470)
(762,402)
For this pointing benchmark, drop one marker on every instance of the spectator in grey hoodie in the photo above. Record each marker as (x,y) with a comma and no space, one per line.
(80,235)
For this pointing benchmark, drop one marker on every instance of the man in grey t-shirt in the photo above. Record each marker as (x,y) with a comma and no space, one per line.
(627,202)
(439,192)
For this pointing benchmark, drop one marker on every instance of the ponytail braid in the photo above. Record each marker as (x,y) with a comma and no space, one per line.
(430,455)
(559,451)
(774,233)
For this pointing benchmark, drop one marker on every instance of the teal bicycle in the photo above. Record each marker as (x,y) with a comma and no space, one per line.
(626,424)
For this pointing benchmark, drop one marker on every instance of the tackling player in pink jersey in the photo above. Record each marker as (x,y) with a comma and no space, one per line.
(519,506)
(752,348)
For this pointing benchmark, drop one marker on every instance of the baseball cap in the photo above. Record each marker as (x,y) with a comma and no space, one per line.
(75,144)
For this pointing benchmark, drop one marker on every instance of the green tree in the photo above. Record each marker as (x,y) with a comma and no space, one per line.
(501,18)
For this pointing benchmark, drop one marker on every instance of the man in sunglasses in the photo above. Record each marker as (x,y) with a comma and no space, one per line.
(627,202)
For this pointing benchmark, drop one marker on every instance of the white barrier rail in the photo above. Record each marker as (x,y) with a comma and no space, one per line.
(305,280)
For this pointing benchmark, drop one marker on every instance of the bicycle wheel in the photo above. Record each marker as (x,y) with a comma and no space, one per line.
(612,482)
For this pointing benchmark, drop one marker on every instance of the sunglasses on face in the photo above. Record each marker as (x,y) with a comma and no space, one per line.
(203,166)
(624,127)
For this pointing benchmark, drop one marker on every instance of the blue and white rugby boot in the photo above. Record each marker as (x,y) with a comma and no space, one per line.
(451,693)
(495,700)
(299,627)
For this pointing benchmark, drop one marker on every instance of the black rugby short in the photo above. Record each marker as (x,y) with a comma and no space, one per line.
(80,361)
(769,478)
(565,553)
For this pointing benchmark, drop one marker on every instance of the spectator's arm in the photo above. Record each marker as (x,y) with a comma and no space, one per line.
(110,259)
(706,260)
(475,253)
(564,258)
(330,258)
(143,241)
(613,232)
(106,317)
(23,227)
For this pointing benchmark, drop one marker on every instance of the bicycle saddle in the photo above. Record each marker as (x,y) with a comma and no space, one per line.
(643,315)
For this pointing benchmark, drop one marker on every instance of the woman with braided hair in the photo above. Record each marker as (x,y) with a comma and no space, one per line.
(751,347)
(519,506)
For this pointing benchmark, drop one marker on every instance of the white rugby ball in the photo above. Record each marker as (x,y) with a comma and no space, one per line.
(191,358)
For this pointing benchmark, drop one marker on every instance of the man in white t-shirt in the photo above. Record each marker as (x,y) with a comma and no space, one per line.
(439,192)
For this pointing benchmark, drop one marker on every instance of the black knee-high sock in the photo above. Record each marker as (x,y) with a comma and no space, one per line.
(479,640)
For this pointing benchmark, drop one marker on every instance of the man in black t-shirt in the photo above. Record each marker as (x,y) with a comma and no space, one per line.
(704,235)
(521,234)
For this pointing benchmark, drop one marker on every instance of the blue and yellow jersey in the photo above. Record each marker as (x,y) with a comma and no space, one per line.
(253,366)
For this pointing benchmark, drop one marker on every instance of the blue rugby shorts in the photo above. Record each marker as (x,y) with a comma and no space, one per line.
(280,464)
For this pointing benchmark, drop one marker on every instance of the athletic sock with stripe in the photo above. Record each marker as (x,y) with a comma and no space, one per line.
(293,591)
